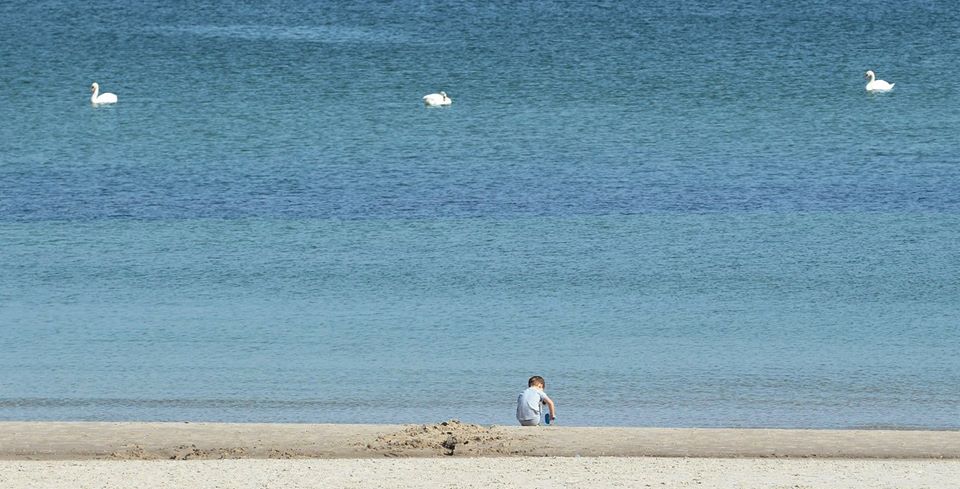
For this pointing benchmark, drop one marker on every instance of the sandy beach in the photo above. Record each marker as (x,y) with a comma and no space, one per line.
(552,472)
(453,454)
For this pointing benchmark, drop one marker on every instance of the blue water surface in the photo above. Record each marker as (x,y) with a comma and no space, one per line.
(680,213)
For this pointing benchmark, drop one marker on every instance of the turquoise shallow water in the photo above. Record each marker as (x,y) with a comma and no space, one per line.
(680,214)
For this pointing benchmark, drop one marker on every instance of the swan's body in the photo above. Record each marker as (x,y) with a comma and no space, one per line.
(101,98)
(435,99)
(875,85)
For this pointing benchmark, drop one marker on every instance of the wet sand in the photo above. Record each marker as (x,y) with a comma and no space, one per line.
(453,454)
(147,441)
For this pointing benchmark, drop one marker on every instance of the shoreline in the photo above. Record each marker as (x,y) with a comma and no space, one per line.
(23,441)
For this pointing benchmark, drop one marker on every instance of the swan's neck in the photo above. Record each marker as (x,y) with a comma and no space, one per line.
(872,77)
(96,93)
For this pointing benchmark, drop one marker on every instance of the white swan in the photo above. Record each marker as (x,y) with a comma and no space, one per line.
(435,99)
(875,85)
(101,98)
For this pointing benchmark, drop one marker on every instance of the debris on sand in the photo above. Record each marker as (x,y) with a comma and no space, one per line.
(181,452)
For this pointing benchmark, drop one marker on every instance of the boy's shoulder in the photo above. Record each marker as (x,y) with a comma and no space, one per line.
(535,391)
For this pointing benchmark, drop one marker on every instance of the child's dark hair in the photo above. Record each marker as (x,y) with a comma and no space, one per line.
(536,379)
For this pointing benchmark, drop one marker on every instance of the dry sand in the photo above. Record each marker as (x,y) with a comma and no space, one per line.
(453,454)
(552,472)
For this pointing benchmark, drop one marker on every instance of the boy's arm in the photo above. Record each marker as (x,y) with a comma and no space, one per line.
(553,408)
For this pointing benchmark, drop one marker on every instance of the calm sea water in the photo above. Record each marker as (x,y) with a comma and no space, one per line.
(681,213)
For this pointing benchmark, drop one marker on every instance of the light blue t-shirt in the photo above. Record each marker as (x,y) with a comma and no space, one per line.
(528,404)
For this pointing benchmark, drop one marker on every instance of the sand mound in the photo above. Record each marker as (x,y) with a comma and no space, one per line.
(448,438)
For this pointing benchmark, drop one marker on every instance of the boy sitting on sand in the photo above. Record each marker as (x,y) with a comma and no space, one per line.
(530,400)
